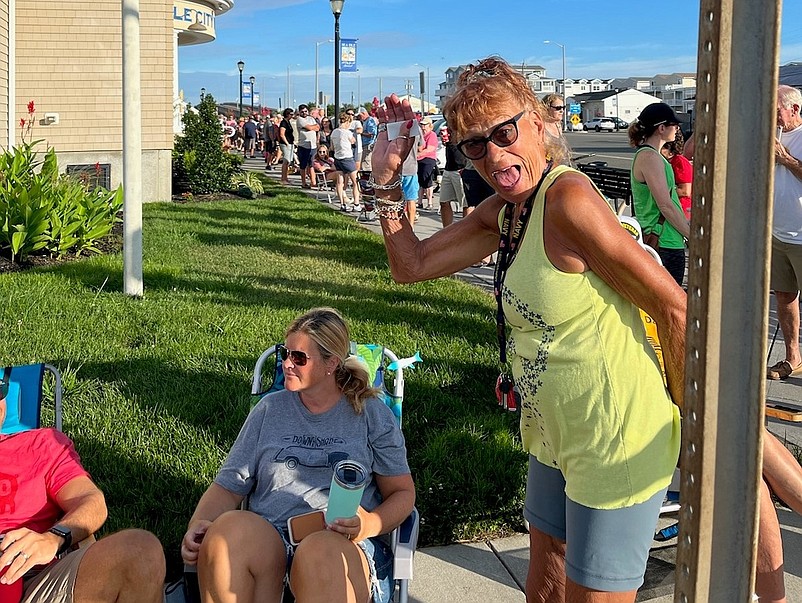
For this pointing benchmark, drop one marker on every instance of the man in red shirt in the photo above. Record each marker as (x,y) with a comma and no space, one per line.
(47,503)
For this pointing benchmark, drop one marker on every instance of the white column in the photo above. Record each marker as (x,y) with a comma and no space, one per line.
(132,150)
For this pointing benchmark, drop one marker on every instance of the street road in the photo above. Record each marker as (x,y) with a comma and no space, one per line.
(612,147)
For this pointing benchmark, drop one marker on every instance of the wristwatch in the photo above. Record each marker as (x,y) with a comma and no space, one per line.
(65,533)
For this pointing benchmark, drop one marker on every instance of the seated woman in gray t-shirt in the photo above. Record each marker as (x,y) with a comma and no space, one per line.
(283,460)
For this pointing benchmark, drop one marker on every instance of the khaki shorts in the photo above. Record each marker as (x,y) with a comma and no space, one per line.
(786,266)
(451,188)
(55,583)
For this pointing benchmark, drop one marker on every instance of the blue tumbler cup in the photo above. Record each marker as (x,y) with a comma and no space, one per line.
(347,485)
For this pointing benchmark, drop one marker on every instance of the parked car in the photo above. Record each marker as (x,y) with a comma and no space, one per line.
(600,123)
(574,127)
(620,123)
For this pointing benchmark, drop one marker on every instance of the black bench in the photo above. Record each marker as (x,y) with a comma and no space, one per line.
(613,182)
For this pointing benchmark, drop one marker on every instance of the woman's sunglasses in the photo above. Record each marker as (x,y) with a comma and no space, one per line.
(297,357)
(503,135)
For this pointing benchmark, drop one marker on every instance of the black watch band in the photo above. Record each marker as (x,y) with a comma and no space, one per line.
(65,533)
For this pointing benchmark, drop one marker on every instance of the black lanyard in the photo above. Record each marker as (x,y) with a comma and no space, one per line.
(508,243)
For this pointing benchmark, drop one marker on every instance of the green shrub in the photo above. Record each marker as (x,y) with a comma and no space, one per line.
(200,165)
(41,210)
(247,184)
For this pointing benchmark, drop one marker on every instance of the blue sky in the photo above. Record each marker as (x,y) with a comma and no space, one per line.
(400,38)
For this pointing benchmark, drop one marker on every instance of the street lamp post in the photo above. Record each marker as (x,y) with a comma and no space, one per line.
(203,93)
(616,109)
(565,94)
(336,9)
(240,66)
(253,81)
(317,87)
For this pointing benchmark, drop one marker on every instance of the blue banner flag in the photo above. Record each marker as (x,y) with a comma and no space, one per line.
(246,91)
(348,55)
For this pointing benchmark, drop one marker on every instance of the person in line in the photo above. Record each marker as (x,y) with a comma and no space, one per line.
(270,138)
(308,128)
(451,190)
(49,503)
(286,139)
(410,189)
(356,130)
(555,110)
(323,164)
(369,133)
(476,191)
(329,402)
(786,239)
(342,141)
(654,194)
(427,164)
(249,133)
(324,136)
(569,282)
(673,150)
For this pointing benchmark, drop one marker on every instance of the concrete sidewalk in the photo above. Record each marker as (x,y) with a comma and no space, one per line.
(495,570)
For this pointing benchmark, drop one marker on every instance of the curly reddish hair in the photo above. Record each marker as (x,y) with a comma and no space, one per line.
(485,87)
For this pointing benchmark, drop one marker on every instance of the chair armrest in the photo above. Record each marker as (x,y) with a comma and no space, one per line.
(405,539)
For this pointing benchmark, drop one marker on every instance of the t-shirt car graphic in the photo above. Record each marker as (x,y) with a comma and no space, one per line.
(292,456)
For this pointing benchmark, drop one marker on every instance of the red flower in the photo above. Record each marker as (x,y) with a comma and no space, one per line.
(31,107)
(97,167)
(22,123)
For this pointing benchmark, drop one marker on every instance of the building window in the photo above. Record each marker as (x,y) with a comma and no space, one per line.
(92,174)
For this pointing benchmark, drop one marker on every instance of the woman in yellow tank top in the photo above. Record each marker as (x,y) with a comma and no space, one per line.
(599,424)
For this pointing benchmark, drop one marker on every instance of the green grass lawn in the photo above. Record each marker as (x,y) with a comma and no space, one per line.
(157,388)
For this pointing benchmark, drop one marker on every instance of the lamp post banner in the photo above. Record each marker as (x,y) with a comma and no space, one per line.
(246,91)
(348,55)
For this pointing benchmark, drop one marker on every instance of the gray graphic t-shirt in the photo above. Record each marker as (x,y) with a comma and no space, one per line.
(284,454)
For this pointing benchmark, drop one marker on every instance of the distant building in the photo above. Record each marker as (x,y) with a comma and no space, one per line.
(791,75)
(534,74)
(678,90)
(624,104)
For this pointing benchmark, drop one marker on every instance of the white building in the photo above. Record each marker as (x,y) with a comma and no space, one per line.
(678,90)
(624,104)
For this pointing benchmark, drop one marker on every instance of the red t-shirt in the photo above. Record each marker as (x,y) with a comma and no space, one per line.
(683,173)
(430,140)
(34,466)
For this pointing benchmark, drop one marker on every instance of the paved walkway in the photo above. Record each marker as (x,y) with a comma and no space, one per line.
(495,570)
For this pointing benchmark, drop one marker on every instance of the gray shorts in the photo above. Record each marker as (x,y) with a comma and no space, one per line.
(451,188)
(606,549)
(786,266)
(55,583)
(286,152)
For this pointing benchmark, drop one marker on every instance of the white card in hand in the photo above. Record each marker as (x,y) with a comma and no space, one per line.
(394,129)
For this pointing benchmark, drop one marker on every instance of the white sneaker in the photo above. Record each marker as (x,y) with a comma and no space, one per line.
(356,208)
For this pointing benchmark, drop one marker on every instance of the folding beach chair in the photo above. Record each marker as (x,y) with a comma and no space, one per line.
(323,185)
(269,377)
(24,398)
(368,198)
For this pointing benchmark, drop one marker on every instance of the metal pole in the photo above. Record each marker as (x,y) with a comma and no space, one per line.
(288,98)
(132,150)
(337,69)
(724,384)
(252,80)
(240,92)
(317,47)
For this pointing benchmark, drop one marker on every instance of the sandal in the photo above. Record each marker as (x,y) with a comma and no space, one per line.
(783,370)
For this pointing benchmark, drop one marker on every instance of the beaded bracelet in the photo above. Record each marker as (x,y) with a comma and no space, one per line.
(390,210)
(383,187)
